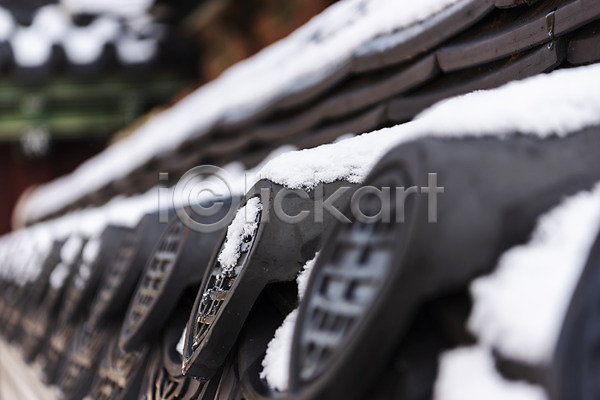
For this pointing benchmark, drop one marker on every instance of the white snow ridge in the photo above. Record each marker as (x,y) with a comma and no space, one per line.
(244,225)
(276,364)
(519,309)
(276,369)
(470,374)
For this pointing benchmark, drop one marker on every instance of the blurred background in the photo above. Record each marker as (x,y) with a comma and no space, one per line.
(78,75)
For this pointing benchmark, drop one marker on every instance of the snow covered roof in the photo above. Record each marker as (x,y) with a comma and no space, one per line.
(496,112)
(23,252)
(353,158)
(493,112)
(276,369)
(327,42)
(25,249)
(32,46)
(331,43)
(519,309)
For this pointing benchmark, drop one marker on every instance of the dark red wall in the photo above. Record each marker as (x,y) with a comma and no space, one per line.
(19,172)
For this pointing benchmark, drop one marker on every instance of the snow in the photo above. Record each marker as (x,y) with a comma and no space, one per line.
(83,45)
(181,343)
(83,274)
(243,226)
(90,222)
(498,112)
(88,256)
(30,47)
(127,9)
(132,50)
(325,42)
(519,309)
(51,22)
(530,106)
(7,24)
(128,211)
(244,223)
(59,275)
(120,211)
(18,253)
(470,374)
(30,258)
(231,180)
(276,369)
(144,25)
(71,249)
(304,276)
(39,245)
(69,253)
(276,364)
(349,159)
(91,250)
(26,249)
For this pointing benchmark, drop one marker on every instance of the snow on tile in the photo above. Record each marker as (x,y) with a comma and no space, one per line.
(30,47)
(232,180)
(71,249)
(59,275)
(276,364)
(91,250)
(39,244)
(69,253)
(26,249)
(181,342)
(17,259)
(122,8)
(128,211)
(84,44)
(498,112)
(469,373)
(120,211)
(7,24)
(519,309)
(241,229)
(349,159)
(325,42)
(530,106)
(51,21)
(6,255)
(276,369)
(304,276)
(133,50)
